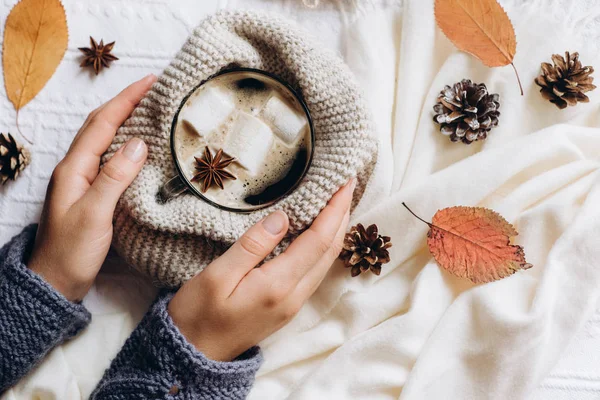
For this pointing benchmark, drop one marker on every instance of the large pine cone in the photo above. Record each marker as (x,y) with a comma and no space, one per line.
(565,82)
(466,111)
(365,249)
(13,158)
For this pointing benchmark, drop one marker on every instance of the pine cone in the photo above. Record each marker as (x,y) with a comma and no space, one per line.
(365,249)
(13,158)
(565,82)
(466,111)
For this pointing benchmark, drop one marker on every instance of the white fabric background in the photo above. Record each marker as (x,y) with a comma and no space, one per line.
(415,332)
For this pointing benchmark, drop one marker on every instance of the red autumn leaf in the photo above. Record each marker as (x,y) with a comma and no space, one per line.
(474,243)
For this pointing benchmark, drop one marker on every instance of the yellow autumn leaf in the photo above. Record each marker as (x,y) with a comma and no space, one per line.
(35,41)
(479,27)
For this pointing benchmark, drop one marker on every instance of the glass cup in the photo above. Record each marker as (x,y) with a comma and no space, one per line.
(182,182)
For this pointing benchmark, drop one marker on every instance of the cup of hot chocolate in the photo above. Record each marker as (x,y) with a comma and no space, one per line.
(241,140)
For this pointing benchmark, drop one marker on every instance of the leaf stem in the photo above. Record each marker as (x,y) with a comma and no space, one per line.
(518,79)
(19,130)
(415,215)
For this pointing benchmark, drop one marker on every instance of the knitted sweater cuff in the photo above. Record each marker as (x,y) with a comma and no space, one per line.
(157,359)
(34,317)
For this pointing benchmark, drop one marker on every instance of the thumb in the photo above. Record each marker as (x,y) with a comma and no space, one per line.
(249,250)
(117,174)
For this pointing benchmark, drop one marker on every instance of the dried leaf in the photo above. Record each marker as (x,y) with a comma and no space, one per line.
(474,243)
(35,41)
(480,28)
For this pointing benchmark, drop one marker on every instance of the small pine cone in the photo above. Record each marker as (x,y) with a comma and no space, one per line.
(466,111)
(365,249)
(565,82)
(13,158)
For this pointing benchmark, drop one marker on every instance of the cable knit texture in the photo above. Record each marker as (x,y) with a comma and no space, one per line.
(33,316)
(174,241)
(157,360)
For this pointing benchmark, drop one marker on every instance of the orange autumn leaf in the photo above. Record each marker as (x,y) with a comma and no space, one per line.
(474,243)
(35,41)
(481,28)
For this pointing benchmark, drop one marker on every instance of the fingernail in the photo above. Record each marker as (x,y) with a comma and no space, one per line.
(149,78)
(353,184)
(275,222)
(134,150)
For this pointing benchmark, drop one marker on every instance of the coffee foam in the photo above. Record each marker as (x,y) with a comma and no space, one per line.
(251,92)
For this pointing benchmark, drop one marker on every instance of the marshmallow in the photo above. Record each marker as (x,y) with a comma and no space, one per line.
(208,110)
(288,123)
(249,140)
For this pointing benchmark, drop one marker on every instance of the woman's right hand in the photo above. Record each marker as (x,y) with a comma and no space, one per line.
(232,306)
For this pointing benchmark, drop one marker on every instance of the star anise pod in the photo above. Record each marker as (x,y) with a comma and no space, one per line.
(365,249)
(211,170)
(97,55)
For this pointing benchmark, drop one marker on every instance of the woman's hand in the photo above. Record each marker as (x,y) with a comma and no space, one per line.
(75,230)
(231,306)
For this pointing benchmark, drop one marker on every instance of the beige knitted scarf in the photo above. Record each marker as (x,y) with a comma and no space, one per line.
(174,241)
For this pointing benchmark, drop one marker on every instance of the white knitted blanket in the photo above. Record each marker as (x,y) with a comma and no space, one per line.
(414,332)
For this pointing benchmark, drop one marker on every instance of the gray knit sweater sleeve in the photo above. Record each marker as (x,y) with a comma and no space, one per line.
(157,362)
(34,318)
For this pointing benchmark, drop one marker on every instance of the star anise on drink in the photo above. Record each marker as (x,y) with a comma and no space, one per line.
(211,170)
(97,55)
